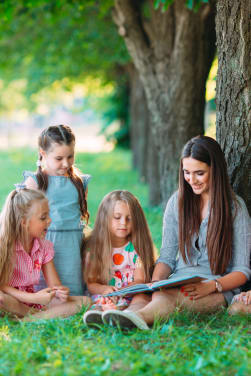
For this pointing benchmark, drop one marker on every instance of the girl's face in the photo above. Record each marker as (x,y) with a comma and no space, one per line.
(197,174)
(120,225)
(59,159)
(39,219)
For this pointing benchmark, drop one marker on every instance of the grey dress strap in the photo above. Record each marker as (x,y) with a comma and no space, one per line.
(85,179)
(31,174)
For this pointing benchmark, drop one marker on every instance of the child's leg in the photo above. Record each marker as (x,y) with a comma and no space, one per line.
(11,305)
(241,303)
(239,307)
(58,309)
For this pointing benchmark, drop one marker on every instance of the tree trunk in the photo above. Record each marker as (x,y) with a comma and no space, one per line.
(144,153)
(172,52)
(138,122)
(233,92)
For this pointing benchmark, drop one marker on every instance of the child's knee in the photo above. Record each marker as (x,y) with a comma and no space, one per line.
(239,307)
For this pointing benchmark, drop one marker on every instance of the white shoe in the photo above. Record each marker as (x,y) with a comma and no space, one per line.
(125,319)
(93,318)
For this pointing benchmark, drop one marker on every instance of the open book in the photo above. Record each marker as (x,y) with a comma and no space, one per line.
(150,287)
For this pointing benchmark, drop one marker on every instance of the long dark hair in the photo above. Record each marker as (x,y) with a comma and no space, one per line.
(61,134)
(220,224)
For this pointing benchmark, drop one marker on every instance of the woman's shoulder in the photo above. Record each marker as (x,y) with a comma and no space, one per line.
(172,203)
(239,207)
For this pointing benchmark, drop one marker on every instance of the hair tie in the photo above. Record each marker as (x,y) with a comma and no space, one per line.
(38,163)
(19,186)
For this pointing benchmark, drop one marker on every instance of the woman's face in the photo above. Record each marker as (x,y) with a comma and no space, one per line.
(197,174)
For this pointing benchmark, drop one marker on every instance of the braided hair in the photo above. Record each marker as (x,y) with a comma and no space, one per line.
(60,134)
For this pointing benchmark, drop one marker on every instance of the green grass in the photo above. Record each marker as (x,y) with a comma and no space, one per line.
(187,344)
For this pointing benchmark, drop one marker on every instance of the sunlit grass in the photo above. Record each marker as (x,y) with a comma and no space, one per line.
(188,344)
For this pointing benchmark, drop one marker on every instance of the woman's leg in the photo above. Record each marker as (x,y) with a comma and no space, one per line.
(10,305)
(58,309)
(160,307)
(166,301)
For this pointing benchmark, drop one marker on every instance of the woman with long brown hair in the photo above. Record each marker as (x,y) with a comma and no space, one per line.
(206,232)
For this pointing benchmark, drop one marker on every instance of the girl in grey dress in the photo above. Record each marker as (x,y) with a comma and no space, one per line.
(206,232)
(66,190)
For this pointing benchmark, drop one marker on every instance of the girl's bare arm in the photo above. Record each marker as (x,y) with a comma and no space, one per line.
(41,297)
(52,279)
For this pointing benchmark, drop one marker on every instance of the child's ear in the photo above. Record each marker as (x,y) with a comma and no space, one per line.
(42,152)
(24,222)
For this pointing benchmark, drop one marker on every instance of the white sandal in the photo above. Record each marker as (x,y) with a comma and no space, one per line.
(93,318)
(125,319)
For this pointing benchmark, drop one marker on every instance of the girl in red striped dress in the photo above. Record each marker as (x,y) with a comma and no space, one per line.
(24,253)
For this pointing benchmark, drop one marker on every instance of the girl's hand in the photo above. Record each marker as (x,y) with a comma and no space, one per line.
(196,291)
(62,293)
(44,296)
(247,295)
(108,302)
(109,289)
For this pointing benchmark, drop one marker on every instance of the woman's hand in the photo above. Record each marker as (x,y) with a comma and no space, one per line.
(196,291)
(62,293)
(44,296)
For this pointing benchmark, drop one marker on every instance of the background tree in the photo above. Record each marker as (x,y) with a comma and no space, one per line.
(64,41)
(172,51)
(233,94)
(50,41)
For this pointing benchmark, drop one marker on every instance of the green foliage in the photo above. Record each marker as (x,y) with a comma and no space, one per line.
(47,41)
(67,41)
(191,4)
(116,109)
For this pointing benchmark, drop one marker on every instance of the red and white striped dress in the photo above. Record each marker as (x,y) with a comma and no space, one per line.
(27,270)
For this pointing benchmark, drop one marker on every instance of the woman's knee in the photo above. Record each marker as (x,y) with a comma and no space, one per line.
(1,298)
(144,298)
(210,303)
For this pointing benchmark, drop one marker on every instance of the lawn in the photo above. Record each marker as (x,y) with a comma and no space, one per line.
(187,344)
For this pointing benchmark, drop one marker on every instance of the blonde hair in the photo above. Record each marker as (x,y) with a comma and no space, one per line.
(99,243)
(17,207)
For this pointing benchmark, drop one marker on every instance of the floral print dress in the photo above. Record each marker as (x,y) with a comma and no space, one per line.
(125,261)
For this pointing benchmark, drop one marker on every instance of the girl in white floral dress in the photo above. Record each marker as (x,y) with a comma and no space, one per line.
(120,253)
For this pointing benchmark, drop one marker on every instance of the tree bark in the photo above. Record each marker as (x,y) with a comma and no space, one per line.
(233,92)
(144,153)
(172,52)
(138,122)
